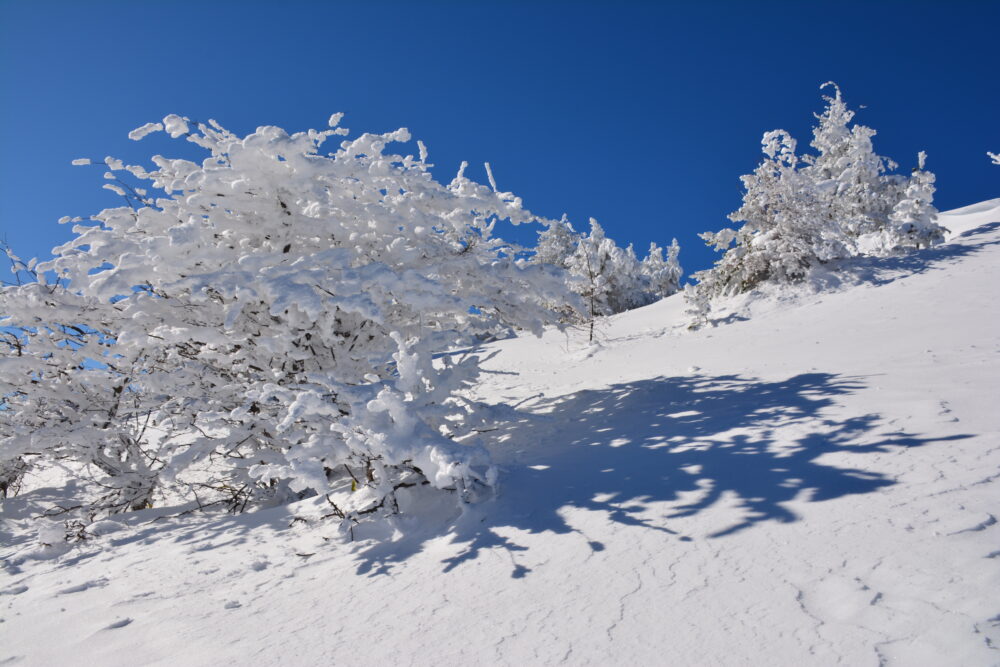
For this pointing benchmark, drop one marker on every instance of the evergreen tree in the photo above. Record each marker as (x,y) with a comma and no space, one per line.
(663,275)
(852,187)
(914,218)
(556,243)
(590,266)
(627,286)
(801,211)
(781,236)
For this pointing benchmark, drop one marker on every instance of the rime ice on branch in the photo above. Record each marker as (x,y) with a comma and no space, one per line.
(608,278)
(275,323)
(801,211)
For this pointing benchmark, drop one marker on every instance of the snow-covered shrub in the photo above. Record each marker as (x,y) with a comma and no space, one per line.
(60,404)
(801,211)
(610,279)
(276,324)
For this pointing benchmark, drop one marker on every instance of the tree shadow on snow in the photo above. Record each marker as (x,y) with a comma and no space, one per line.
(688,442)
(884,270)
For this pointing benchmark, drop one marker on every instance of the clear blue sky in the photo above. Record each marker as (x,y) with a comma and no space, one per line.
(642,115)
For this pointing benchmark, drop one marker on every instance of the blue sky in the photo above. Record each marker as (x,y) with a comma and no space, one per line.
(642,115)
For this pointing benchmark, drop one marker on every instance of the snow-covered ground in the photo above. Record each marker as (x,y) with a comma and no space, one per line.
(813,481)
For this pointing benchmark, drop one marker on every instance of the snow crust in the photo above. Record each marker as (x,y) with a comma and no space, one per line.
(813,481)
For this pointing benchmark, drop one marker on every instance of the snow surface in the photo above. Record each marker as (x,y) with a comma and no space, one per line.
(814,481)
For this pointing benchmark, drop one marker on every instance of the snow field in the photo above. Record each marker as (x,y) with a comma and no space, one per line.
(813,482)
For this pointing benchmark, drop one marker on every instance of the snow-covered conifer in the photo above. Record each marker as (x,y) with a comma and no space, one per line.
(628,287)
(914,218)
(851,182)
(663,275)
(591,264)
(610,279)
(556,243)
(781,237)
(800,211)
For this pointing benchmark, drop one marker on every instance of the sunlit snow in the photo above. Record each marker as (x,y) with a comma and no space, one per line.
(812,481)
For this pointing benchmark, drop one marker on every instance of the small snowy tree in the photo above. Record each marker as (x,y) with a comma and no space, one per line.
(628,286)
(663,275)
(590,264)
(914,218)
(852,184)
(275,325)
(781,237)
(556,243)
(607,277)
(799,212)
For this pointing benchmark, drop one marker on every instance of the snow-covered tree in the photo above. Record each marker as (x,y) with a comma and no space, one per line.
(628,286)
(800,211)
(663,275)
(274,324)
(913,219)
(591,264)
(852,184)
(610,279)
(557,243)
(781,235)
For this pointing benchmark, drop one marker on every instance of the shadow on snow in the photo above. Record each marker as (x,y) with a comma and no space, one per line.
(649,452)
(884,270)
(645,455)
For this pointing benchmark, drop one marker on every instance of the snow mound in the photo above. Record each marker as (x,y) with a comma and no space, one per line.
(965,219)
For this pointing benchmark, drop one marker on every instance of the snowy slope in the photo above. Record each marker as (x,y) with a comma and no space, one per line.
(813,482)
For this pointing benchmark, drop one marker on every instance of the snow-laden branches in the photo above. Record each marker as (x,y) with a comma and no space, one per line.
(608,278)
(800,211)
(274,323)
